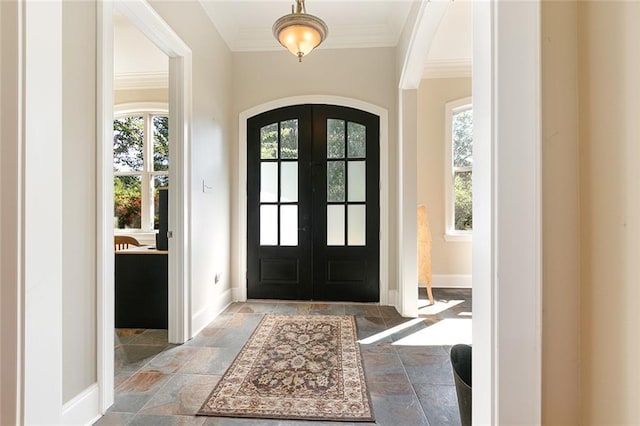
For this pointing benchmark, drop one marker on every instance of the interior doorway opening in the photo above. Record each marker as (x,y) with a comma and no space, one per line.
(146,20)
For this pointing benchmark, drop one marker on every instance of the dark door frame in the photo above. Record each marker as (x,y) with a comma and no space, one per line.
(312,269)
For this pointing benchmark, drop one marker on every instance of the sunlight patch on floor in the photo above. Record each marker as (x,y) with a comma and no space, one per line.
(437,307)
(398,328)
(447,332)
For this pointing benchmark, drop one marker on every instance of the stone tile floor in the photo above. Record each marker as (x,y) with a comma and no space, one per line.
(409,378)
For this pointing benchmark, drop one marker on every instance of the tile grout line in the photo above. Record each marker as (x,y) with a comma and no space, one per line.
(413,389)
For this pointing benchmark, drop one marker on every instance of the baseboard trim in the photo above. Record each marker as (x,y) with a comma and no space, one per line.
(392,299)
(204,316)
(238,295)
(84,408)
(462,281)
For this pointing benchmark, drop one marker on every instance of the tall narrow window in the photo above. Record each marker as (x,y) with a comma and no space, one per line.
(346,183)
(140,168)
(279,184)
(459,169)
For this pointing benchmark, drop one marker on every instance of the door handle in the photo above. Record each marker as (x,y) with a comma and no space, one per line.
(303,229)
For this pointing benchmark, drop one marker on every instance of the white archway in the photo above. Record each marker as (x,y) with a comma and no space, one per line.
(507,215)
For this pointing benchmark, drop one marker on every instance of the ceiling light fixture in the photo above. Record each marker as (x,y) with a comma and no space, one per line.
(300,32)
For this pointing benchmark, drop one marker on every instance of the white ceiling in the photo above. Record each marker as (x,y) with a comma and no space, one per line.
(137,63)
(451,47)
(246,25)
(452,41)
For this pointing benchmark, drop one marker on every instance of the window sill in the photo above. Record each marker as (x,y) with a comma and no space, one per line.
(458,237)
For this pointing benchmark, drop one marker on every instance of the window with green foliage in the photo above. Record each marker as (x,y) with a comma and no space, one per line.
(458,182)
(140,168)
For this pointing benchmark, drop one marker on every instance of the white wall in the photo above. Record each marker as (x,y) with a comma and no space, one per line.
(507,222)
(140,95)
(609,107)
(79,188)
(32,223)
(363,74)
(211,159)
(448,258)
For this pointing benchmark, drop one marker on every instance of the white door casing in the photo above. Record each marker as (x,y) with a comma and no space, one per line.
(147,20)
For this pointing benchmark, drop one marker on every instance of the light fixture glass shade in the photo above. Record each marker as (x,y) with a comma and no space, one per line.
(299,39)
(300,32)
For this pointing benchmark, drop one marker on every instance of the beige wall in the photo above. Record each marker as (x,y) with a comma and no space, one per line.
(591,100)
(363,74)
(609,63)
(124,96)
(79,188)
(211,147)
(448,258)
(560,215)
(9,219)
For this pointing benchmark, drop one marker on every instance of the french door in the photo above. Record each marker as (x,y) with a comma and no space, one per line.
(313,204)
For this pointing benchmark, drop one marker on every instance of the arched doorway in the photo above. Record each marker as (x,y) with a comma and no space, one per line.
(313,204)
(386,295)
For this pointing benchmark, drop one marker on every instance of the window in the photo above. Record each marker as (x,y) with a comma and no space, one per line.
(459,170)
(140,168)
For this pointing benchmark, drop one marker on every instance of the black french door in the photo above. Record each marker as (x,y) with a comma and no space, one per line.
(313,204)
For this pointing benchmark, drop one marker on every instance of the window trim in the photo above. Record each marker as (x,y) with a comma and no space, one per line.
(147,110)
(451,234)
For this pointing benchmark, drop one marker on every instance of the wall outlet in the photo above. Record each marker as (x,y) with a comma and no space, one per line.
(216,279)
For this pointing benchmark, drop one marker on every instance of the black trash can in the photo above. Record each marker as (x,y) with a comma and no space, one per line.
(461,363)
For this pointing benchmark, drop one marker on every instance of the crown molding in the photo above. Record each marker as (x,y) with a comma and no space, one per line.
(141,80)
(340,37)
(448,68)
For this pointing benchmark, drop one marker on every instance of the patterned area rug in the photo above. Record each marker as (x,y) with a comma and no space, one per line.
(304,367)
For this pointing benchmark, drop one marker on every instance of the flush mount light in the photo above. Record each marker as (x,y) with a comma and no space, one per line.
(300,32)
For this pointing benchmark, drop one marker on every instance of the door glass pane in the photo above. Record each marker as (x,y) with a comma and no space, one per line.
(357,225)
(335,225)
(128,141)
(289,182)
(160,143)
(357,181)
(268,225)
(269,141)
(289,139)
(335,138)
(268,182)
(335,181)
(289,225)
(357,136)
